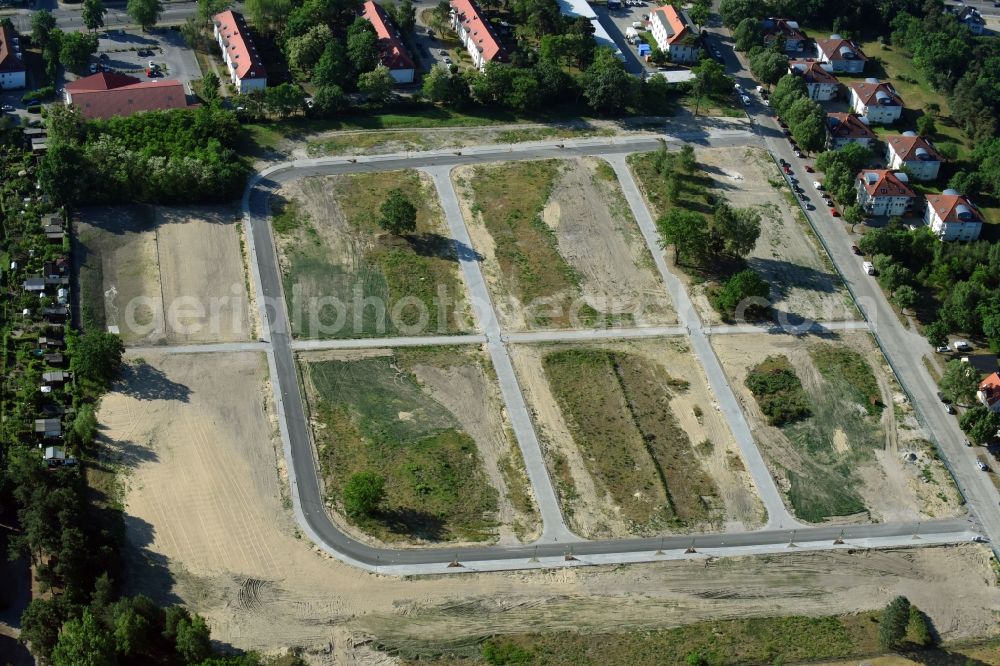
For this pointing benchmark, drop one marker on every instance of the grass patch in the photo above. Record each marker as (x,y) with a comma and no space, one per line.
(374,416)
(848,367)
(352,143)
(328,293)
(510,198)
(617,408)
(778,391)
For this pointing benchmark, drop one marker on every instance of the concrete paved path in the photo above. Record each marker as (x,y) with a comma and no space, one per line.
(554,526)
(777,514)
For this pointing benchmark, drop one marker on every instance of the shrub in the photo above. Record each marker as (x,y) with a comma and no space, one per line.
(778,391)
(35,108)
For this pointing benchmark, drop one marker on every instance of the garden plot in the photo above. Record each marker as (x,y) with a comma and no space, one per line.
(634,440)
(835,429)
(561,248)
(163,275)
(804,283)
(430,422)
(344,277)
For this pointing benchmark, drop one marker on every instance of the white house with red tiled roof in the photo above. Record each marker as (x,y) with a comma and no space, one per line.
(675,33)
(989,392)
(842,54)
(884,192)
(392,52)
(915,153)
(821,85)
(845,128)
(107,94)
(246,69)
(877,102)
(476,33)
(953,217)
(12,69)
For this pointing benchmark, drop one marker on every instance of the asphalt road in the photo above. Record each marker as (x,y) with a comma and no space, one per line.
(305,485)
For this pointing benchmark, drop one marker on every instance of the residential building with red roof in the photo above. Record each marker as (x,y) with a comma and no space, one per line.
(107,94)
(12,69)
(989,392)
(915,153)
(246,69)
(884,192)
(476,33)
(845,128)
(675,33)
(784,29)
(392,52)
(876,101)
(842,54)
(952,216)
(820,83)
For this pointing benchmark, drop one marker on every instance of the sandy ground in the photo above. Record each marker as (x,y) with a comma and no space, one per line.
(170,275)
(591,512)
(788,255)
(892,486)
(598,238)
(467,388)
(208,527)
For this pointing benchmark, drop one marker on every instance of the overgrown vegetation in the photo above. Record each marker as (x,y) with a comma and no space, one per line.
(778,391)
(377,420)
(617,406)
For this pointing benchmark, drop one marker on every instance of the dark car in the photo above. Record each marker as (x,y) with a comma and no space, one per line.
(856,250)
(943,398)
(949,409)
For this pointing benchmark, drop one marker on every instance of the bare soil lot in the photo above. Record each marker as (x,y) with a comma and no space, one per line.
(164,275)
(344,277)
(787,255)
(633,439)
(560,246)
(431,422)
(208,527)
(849,460)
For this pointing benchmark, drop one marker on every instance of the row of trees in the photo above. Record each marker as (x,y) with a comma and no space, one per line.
(182,155)
(862,17)
(806,119)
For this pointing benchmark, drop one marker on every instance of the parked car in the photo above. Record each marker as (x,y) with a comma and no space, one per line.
(798,153)
(6,107)
(968,443)
(982,466)
(833,211)
(787,170)
(948,409)
(442,52)
(93,68)
(942,350)
(943,398)
(856,250)
(809,169)
(818,185)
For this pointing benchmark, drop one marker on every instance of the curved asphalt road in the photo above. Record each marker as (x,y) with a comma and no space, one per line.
(305,486)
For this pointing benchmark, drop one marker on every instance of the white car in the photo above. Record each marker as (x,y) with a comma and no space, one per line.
(153,65)
(7,108)
(982,466)
(818,185)
(746,101)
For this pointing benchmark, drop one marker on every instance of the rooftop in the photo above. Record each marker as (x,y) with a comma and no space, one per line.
(838,48)
(848,126)
(677,23)
(812,71)
(990,388)
(239,45)
(10,59)
(392,52)
(951,206)
(876,92)
(482,32)
(885,183)
(128,99)
(911,148)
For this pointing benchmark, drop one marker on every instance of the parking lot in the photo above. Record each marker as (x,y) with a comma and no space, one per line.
(617,22)
(131,52)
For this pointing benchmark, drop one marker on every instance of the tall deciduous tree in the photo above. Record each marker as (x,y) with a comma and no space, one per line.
(84,642)
(363,493)
(607,87)
(892,626)
(959,382)
(768,67)
(735,230)
(399,215)
(687,231)
(744,293)
(93,14)
(97,356)
(75,50)
(362,46)
(377,84)
(145,12)
(748,34)
(43,22)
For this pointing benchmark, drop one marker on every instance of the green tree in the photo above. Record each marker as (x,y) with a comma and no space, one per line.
(710,79)
(788,89)
(735,11)
(210,87)
(43,22)
(40,623)
(926,125)
(75,49)
(131,630)
(285,99)
(97,356)
(853,214)
(334,67)
(606,85)
(363,493)
(735,230)
(892,626)
(377,85)
(399,215)
(700,11)
(209,8)
(768,67)
(959,382)
(807,120)
(748,34)
(84,642)
(59,173)
(905,297)
(506,653)
(304,52)
(937,333)
(328,101)
(362,46)
(193,640)
(93,14)
(980,424)
(919,627)
(687,231)
(84,429)
(894,276)
(145,12)
(268,15)
(745,292)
